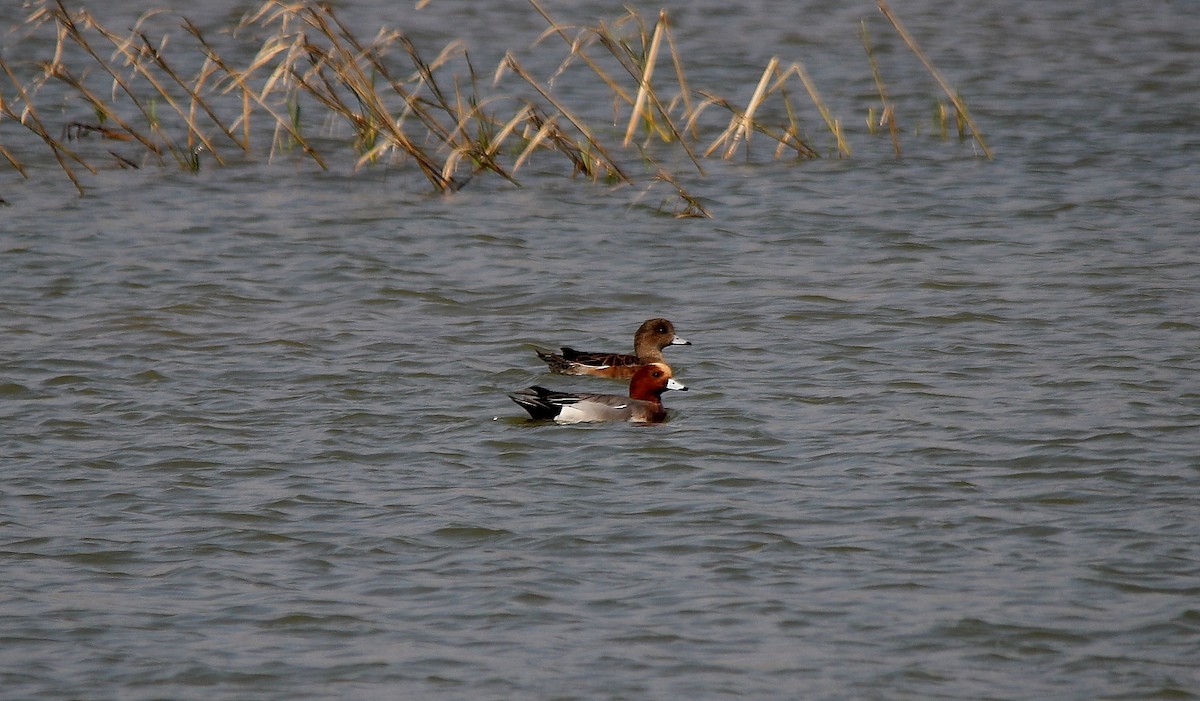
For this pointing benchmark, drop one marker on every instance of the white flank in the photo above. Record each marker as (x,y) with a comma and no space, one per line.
(571,415)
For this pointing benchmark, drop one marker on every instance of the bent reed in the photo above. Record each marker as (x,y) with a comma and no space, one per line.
(439,114)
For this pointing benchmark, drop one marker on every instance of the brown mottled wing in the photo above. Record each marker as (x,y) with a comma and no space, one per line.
(599,359)
(556,362)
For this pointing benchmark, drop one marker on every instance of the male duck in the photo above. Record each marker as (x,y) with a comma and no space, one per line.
(643,405)
(651,337)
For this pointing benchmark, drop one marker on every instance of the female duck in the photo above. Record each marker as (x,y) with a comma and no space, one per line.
(648,342)
(643,405)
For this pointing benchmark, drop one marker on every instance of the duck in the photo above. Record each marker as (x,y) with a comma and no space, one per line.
(648,342)
(643,405)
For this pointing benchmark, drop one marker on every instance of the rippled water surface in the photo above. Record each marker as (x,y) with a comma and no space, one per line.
(941,439)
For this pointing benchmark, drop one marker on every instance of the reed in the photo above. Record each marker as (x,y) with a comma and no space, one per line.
(953,95)
(742,123)
(640,65)
(571,148)
(30,119)
(887,115)
(402,106)
(684,206)
(577,48)
(12,160)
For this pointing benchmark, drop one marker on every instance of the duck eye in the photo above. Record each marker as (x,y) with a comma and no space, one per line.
(662,329)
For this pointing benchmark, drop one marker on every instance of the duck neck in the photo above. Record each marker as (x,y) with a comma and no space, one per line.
(645,391)
(650,355)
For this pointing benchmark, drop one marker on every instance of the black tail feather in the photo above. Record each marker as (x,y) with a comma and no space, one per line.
(538,401)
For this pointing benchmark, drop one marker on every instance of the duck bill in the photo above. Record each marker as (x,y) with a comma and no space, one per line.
(677,341)
(676,385)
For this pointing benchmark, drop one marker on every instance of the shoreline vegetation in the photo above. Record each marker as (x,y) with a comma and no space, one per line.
(398,106)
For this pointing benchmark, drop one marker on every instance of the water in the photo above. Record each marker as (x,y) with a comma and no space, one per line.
(941,439)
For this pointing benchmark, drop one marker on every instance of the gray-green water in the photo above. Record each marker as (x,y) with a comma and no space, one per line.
(941,439)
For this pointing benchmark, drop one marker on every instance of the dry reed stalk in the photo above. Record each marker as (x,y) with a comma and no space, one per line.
(692,207)
(30,120)
(742,123)
(684,92)
(835,127)
(483,149)
(194,99)
(686,206)
(55,69)
(346,64)
(629,61)
(425,78)
(239,80)
(888,115)
(283,53)
(391,129)
(287,43)
(791,138)
(312,56)
(582,161)
(542,128)
(285,131)
(740,127)
(937,76)
(577,49)
(133,58)
(62,74)
(510,62)
(72,30)
(639,105)
(639,68)
(12,160)
(791,135)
